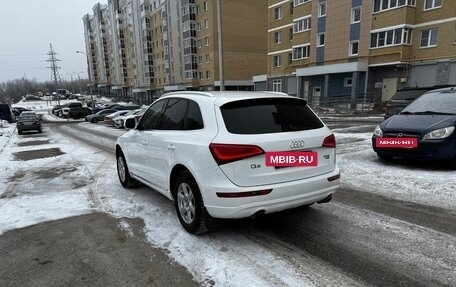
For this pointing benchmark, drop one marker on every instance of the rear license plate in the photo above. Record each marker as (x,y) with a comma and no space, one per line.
(284,159)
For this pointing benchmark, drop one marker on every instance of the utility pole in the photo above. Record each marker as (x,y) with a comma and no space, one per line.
(54,69)
(79,82)
(90,78)
(220,45)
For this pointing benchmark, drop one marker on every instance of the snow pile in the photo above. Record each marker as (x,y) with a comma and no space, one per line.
(6,131)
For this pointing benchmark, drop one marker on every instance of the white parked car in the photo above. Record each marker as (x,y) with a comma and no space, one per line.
(119,122)
(109,119)
(215,154)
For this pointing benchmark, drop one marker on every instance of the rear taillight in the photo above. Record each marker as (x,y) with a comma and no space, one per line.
(226,153)
(329,141)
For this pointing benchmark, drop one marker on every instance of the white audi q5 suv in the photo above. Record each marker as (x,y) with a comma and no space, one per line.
(230,154)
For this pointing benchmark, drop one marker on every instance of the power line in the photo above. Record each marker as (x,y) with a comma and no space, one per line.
(17,62)
(21,55)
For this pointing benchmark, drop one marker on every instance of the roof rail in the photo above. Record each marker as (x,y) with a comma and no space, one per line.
(196,93)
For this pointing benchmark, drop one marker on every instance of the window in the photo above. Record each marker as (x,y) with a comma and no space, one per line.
(380,5)
(206,23)
(278,37)
(290,58)
(278,13)
(455,34)
(198,26)
(401,36)
(205,6)
(194,118)
(354,48)
(291,34)
(198,43)
(320,39)
(208,58)
(348,82)
(264,116)
(208,74)
(200,75)
(356,15)
(276,61)
(206,41)
(322,9)
(299,2)
(301,25)
(432,4)
(151,119)
(277,85)
(429,38)
(301,52)
(174,115)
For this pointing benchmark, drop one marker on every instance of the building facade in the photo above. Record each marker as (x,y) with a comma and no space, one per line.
(140,49)
(356,51)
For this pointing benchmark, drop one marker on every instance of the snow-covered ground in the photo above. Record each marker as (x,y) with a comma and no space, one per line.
(84,180)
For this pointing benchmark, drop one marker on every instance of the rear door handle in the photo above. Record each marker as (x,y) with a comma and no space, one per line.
(171,147)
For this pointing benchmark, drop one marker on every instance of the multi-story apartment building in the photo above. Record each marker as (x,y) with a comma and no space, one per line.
(329,51)
(156,46)
(98,48)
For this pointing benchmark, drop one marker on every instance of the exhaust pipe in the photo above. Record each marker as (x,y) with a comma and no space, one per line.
(256,214)
(326,199)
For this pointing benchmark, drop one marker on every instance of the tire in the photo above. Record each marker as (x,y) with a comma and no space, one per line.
(124,174)
(40,131)
(189,204)
(94,120)
(19,132)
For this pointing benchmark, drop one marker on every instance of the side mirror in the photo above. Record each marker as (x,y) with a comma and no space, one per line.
(130,123)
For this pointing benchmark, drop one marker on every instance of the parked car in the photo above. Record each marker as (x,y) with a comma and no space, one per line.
(119,122)
(78,113)
(28,122)
(126,107)
(65,110)
(211,153)
(403,97)
(108,120)
(429,121)
(95,118)
(104,107)
(6,114)
(18,110)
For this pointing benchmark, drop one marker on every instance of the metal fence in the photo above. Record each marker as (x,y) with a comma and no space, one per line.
(345,106)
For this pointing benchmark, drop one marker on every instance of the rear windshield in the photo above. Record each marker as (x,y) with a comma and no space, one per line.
(272,115)
(408,94)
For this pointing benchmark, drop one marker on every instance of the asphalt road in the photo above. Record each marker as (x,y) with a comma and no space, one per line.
(375,240)
(87,250)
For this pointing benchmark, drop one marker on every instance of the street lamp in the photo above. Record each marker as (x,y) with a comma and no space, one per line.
(90,80)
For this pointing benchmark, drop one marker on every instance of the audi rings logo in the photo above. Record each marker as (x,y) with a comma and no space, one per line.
(297,144)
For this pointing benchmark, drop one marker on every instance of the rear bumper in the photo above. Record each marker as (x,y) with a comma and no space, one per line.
(29,128)
(283,196)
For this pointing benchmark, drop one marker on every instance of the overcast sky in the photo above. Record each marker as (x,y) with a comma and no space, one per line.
(27,27)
